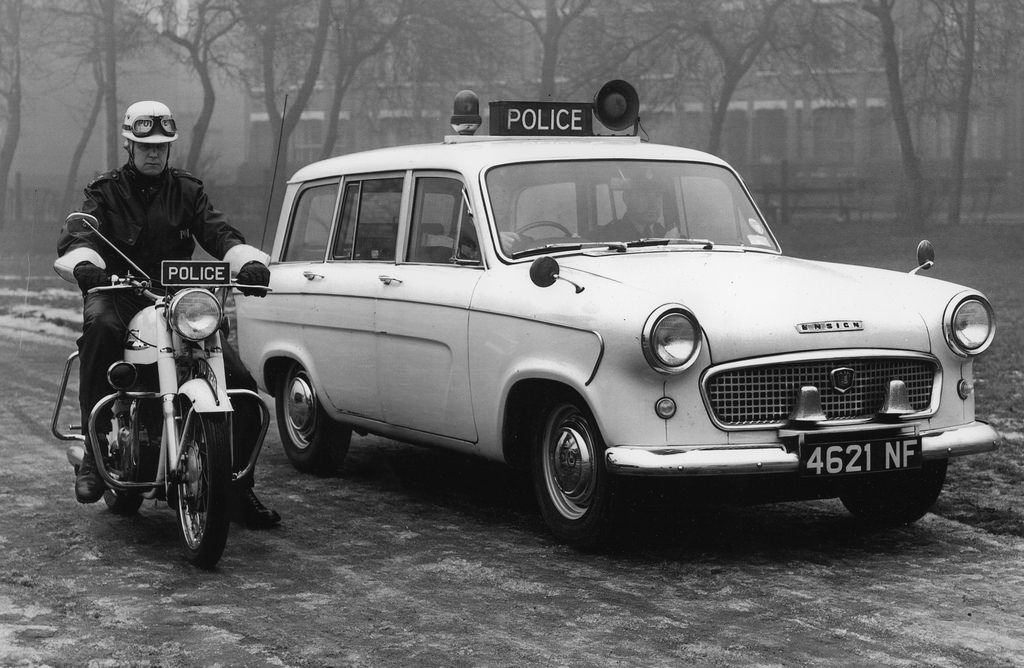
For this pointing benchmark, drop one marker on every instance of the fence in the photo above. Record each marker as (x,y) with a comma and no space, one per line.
(789,192)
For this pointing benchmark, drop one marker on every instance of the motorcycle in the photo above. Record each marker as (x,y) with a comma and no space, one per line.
(170,435)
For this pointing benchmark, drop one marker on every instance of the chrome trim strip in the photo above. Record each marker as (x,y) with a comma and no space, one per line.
(708,460)
(819,356)
(969,439)
(714,460)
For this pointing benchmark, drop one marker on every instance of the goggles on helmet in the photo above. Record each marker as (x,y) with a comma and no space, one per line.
(144,126)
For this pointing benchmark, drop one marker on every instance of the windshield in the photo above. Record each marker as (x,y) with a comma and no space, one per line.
(615,202)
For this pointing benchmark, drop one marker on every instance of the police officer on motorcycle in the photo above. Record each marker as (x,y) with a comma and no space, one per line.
(153,212)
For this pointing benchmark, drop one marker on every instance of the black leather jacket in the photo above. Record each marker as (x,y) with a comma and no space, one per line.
(151,219)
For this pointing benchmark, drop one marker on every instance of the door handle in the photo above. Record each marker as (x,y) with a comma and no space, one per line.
(310,276)
(388,280)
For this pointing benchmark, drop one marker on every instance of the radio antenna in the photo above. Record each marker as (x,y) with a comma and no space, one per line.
(273,177)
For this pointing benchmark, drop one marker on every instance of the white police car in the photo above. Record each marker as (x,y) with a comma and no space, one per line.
(493,295)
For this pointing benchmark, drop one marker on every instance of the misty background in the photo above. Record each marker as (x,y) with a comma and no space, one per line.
(902,111)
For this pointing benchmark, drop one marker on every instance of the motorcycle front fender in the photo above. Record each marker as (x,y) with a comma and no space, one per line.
(203,398)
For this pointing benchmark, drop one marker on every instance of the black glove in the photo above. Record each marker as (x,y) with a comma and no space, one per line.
(90,276)
(253,273)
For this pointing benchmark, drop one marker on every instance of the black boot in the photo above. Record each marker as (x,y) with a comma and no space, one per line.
(249,511)
(88,483)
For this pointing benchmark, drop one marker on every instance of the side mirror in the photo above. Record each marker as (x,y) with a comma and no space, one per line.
(81,222)
(545,271)
(925,256)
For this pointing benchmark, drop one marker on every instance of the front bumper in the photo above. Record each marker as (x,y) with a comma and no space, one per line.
(774,458)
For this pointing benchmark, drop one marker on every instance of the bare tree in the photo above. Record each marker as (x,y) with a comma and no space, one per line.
(882,11)
(87,36)
(83,140)
(973,46)
(735,37)
(965,25)
(10,91)
(550,29)
(361,30)
(200,34)
(288,40)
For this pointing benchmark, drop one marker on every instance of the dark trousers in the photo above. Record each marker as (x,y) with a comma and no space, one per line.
(105,317)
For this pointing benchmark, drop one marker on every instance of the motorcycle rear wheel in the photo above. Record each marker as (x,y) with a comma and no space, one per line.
(203,491)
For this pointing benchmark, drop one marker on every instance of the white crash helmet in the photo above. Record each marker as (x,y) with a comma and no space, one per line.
(149,122)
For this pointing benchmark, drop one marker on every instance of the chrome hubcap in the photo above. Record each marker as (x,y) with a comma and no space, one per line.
(570,468)
(572,465)
(301,410)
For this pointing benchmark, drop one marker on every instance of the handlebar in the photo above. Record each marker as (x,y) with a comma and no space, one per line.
(119,283)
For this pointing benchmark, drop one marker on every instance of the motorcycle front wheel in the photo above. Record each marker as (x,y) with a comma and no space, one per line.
(203,488)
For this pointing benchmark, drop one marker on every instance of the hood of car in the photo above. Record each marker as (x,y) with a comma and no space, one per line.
(752,304)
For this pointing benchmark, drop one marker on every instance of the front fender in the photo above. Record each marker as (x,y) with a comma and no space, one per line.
(203,398)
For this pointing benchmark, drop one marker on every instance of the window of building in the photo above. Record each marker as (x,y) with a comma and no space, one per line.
(307,141)
(881,142)
(769,135)
(734,137)
(833,135)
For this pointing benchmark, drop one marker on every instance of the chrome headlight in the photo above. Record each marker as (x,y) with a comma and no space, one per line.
(671,339)
(970,325)
(194,314)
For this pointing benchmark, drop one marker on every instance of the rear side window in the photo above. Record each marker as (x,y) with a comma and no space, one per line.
(368,226)
(311,224)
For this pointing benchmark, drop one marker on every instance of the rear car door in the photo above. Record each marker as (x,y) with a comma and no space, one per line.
(321,318)
(340,293)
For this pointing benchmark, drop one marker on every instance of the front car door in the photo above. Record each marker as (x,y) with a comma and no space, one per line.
(423,313)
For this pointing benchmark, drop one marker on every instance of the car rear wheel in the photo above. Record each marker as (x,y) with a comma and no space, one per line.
(894,499)
(576,494)
(312,440)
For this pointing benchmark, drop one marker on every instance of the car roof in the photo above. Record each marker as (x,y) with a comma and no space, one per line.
(470,154)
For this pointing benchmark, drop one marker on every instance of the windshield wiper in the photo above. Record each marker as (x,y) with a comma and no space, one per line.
(547,248)
(707,244)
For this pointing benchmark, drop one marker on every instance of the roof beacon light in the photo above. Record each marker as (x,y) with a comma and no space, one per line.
(617,105)
(466,113)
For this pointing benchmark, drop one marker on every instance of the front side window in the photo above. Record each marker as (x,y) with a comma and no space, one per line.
(368,223)
(440,216)
(602,201)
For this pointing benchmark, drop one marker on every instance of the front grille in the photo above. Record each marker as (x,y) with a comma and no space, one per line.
(765,394)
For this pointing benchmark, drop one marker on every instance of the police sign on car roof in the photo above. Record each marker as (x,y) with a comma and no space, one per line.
(616,106)
(541,118)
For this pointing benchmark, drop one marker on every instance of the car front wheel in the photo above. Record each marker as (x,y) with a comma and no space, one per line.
(894,499)
(312,440)
(576,494)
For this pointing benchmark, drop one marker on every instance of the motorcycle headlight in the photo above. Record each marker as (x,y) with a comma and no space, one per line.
(969,325)
(194,314)
(671,339)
